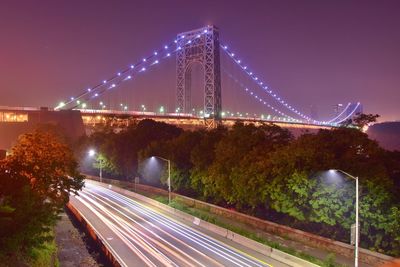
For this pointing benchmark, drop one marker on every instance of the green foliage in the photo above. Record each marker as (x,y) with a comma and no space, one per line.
(44,255)
(161,199)
(362,120)
(329,261)
(35,183)
(120,150)
(265,171)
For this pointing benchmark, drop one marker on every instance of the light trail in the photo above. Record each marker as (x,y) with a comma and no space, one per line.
(188,233)
(138,232)
(147,229)
(145,259)
(129,233)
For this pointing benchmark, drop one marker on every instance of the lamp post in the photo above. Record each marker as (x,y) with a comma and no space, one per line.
(169,176)
(92,153)
(357,233)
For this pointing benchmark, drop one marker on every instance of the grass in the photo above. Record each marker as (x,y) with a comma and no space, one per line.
(44,255)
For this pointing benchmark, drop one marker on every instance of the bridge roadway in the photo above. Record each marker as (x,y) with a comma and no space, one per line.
(141,235)
(118,118)
(92,117)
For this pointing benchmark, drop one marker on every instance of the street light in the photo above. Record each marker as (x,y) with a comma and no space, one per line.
(92,153)
(356,235)
(169,176)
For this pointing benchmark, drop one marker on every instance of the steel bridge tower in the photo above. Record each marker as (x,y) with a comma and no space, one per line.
(200,46)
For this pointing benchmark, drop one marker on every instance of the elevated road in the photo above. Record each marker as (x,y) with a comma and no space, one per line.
(141,235)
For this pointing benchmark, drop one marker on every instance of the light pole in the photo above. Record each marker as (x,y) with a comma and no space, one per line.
(92,153)
(357,233)
(169,176)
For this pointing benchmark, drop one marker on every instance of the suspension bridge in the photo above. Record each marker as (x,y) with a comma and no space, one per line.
(197,47)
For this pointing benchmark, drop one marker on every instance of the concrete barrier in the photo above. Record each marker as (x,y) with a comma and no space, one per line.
(239,239)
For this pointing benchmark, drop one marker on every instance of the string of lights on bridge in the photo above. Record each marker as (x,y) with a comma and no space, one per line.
(141,66)
(350,114)
(166,52)
(340,114)
(260,99)
(114,81)
(278,98)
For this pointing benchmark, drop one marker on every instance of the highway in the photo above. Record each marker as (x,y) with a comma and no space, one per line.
(141,235)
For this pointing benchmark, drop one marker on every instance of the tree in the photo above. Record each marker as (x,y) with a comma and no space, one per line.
(238,170)
(361,120)
(178,151)
(120,150)
(127,144)
(299,189)
(35,183)
(202,156)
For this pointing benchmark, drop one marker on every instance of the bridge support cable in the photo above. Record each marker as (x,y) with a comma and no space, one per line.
(349,115)
(260,99)
(338,116)
(124,75)
(268,90)
(261,84)
(116,82)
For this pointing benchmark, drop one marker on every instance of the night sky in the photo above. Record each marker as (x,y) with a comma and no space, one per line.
(311,52)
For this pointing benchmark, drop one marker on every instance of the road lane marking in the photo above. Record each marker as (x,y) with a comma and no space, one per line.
(143,257)
(160,229)
(204,239)
(136,233)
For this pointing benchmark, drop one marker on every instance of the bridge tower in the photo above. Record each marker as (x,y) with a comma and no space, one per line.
(200,46)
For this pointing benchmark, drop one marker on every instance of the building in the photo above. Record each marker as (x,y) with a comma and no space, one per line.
(17,121)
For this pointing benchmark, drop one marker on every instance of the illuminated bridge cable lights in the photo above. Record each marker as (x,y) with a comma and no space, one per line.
(349,115)
(145,60)
(270,92)
(113,79)
(279,99)
(338,116)
(261,84)
(123,74)
(262,101)
(255,78)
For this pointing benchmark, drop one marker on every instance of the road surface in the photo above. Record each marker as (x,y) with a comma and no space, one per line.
(141,235)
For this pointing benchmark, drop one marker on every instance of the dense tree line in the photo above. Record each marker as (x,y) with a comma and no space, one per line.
(35,182)
(266,172)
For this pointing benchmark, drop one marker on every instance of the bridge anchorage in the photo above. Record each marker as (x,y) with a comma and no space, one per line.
(200,46)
